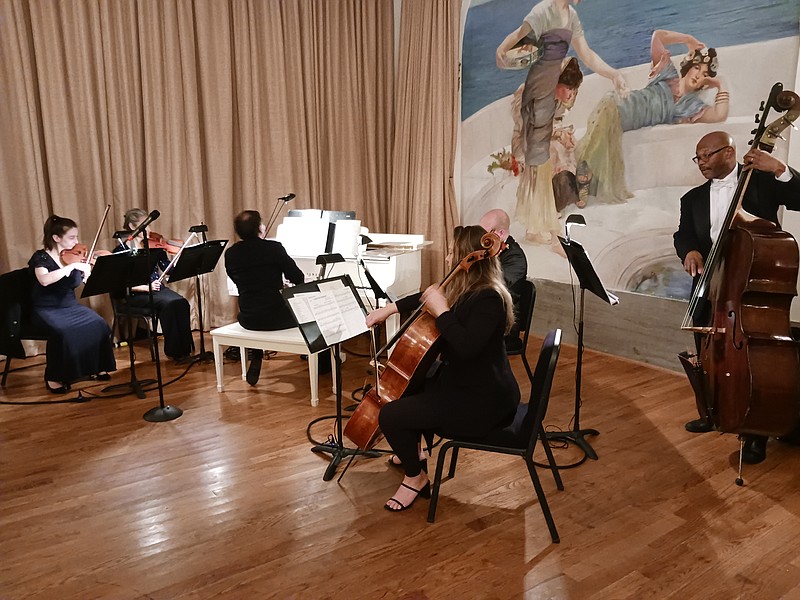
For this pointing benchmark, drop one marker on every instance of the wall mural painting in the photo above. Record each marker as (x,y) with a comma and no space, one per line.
(596,107)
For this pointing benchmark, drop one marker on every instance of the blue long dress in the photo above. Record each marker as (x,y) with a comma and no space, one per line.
(80,339)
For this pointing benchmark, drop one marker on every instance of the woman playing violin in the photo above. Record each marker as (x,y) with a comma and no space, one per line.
(80,339)
(475,390)
(172,308)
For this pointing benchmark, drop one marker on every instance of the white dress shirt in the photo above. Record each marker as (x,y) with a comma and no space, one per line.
(722,191)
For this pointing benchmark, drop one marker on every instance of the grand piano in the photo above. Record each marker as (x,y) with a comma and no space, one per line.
(393,260)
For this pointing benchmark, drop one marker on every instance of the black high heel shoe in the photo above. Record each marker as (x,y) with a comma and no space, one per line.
(425,492)
(63,389)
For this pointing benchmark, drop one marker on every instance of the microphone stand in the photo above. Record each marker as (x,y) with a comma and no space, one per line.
(163,412)
(276,211)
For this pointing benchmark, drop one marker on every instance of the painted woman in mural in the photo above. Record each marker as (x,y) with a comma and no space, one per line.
(669,97)
(551,27)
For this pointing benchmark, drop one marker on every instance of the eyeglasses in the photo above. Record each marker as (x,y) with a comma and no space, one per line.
(705,157)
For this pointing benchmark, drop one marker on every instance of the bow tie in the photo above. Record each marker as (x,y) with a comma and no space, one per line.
(720,184)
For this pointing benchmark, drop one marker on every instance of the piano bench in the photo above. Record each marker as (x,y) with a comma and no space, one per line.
(282,340)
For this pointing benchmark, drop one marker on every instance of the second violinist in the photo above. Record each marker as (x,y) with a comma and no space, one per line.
(172,308)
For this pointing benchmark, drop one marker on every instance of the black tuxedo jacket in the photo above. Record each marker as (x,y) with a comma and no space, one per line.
(763,197)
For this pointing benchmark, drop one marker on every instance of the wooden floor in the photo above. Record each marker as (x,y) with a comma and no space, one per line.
(228,501)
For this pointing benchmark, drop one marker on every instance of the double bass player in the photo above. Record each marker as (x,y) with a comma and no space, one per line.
(773,184)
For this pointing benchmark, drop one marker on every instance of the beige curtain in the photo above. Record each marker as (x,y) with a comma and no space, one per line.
(197,108)
(423,195)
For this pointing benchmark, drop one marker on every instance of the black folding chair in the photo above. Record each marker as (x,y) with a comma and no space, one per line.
(519,438)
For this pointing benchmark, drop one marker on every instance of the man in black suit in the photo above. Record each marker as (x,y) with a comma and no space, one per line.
(258,267)
(513,263)
(703,211)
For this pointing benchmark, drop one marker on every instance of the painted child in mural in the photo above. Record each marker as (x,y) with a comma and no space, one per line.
(669,97)
(551,27)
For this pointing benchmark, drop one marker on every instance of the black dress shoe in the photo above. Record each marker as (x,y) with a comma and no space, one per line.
(100,377)
(254,370)
(699,426)
(755,449)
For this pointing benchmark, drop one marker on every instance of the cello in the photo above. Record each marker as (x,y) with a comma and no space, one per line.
(414,353)
(749,364)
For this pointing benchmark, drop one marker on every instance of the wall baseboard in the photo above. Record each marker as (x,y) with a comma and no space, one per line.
(642,328)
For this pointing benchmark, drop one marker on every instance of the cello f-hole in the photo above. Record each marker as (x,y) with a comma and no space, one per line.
(738,345)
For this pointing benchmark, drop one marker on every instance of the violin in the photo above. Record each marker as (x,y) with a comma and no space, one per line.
(156,240)
(80,253)
(416,349)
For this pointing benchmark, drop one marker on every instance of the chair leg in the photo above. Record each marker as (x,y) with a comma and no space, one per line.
(453,460)
(115,335)
(527,366)
(152,336)
(5,371)
(437,480)
(548,517)
(550,459)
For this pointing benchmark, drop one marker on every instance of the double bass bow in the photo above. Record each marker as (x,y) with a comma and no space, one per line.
(415,351)
(749,364)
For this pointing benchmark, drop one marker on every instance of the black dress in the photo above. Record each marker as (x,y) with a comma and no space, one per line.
(80,339)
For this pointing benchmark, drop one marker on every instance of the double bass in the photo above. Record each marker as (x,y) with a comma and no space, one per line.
(414,353)
(749,364)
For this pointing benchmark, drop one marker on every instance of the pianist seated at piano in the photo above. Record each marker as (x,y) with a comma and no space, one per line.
(258,267)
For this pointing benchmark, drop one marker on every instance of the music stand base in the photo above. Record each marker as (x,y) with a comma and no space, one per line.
(160,414)
(337,454)
(132,387)
(576,437)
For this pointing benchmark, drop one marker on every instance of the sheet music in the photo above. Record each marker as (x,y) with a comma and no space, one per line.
(335,310)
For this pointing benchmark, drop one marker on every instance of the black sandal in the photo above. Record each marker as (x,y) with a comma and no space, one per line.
(425,492)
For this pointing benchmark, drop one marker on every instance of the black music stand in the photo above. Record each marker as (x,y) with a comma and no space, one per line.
(193,262)
(321,329)
(116,274)
(589,280)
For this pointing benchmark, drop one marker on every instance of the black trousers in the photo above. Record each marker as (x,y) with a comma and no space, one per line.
(405,421)
(173,314)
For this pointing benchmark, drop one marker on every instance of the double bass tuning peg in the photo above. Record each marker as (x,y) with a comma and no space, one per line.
(754,131)
(761,108)
(757,119)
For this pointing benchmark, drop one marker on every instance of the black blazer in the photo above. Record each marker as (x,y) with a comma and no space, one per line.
(763,197)
(475,386)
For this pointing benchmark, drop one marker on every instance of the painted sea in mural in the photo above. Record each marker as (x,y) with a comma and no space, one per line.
(618,30)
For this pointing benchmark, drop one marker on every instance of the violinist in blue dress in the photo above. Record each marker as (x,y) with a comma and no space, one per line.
(79,343)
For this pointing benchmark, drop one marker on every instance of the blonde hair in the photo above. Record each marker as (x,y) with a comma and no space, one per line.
(483,274)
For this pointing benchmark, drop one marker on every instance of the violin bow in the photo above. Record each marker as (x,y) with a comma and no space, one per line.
(97,235)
